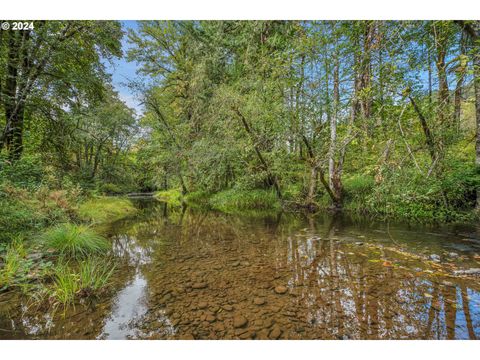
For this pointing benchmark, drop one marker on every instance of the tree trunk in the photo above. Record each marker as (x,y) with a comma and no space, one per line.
(461,70)
(476,65)
(426,130)
(272,179)
(333,123)
(443,92)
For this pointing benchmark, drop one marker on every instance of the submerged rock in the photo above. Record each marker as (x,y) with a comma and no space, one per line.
(472,271)
(202,305)
(210,318)
(280,289)
(259,301)
(199,285)
(275,333)
(239,321)
(434,257)
(227,307)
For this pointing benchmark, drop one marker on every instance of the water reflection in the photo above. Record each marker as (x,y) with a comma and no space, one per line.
(129,306)
(186,273)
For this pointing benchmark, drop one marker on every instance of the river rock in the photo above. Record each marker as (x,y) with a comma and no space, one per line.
(434,257)
(275,333)
(219,326)
(472,271)
(34,256)
(227,307)
(259,301)
(210,318)
(239,321)
(280,289)
(199,285)
(202,305)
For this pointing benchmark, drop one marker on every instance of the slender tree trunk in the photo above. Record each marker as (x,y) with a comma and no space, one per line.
(426,130)
(443,92)
(272,179)
(476,64)
(333,123)
(461,70)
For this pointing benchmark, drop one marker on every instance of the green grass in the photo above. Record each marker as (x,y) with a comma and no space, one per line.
(70,283)
(76,241)
(172,196)
(102,209)
(197,198)
(15,266)
(94,275)
(234,201)
(65,286)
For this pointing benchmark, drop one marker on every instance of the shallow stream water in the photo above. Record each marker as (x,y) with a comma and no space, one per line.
(192,274)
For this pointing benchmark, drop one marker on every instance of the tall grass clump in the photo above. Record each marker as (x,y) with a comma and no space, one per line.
(103,209)
(76,241)
(70,283)
(233,200)
(65,286)
(94,275)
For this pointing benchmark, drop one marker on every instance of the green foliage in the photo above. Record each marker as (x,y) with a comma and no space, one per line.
(15,266)
(65,286)
(75,241)
(94,275)
(197,198)
(111,189)
(23,211)
(172,196)
(71,282)
(358,186)
(414,196)
(25,173)
(233,200)
(102,209)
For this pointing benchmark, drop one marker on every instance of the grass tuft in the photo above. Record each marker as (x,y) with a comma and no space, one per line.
(68,284)
(76,241)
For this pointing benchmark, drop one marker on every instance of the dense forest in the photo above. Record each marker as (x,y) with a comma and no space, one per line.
(371,116)
(380,119)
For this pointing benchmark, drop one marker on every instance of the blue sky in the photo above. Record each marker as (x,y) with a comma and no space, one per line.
(123,71)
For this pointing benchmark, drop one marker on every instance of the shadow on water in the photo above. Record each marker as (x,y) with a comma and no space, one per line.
(190,273)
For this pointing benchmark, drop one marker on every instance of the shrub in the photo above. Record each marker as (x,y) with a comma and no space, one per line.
(234,200)
(358,185)
(103,209)
(110,188)
(27,172)
(75,241)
